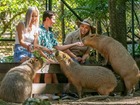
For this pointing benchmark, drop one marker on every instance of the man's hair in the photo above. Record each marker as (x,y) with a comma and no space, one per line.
(48,14)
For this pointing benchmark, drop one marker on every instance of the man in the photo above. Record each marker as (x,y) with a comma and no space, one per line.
(47,40)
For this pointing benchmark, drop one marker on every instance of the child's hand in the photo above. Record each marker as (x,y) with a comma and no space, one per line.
(78,59)
(43,49)
(48,50)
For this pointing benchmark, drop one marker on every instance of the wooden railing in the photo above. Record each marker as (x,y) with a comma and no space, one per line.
(40,88)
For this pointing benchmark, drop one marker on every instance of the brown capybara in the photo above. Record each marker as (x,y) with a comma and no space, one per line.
(16,85)
(118,57)
(91,77)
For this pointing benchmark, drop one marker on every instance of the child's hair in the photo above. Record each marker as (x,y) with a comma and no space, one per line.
(28,16)
(48,14)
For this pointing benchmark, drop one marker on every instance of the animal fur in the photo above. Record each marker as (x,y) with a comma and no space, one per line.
(16,86)
(91,77)
(119,58)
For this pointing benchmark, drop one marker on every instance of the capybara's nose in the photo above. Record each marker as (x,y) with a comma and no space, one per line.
(56,52)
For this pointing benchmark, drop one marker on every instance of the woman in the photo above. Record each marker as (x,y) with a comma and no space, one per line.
(26,32)
(79,54)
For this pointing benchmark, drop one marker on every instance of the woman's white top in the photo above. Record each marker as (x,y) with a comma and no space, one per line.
(28,36)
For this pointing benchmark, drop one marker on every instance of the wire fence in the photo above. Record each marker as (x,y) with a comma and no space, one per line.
(136,12)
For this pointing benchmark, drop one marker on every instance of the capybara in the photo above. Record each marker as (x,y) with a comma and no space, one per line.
(90,77)
(16,85)
(118,57)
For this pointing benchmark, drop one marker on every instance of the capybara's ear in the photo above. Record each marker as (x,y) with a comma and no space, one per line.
(57,53)
(36,60)
(28,58)
(93,30)
(69,60)
(31,61)
(64,56)
(93,35)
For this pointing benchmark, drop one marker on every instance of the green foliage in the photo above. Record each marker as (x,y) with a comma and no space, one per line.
(35,101)
(12,11)
(3,102)
(8,103)
(37,55)
(137,51)
(8,59)
(97,10)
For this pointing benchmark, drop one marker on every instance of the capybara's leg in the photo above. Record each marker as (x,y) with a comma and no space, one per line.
(104,90)
(104,62)
(67,88)
(79,90)
(130,88)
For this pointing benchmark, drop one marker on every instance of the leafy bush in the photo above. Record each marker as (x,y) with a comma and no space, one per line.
(137,52)
(36,101)
(8,59)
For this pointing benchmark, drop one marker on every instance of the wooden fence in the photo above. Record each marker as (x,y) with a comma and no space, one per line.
(42,88)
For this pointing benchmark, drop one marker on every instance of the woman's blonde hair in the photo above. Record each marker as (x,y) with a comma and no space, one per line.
(28,16)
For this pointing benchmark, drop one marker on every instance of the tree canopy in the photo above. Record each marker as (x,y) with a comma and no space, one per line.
(13,11)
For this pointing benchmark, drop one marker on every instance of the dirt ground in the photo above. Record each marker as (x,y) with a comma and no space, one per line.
(95,100)
(103,100)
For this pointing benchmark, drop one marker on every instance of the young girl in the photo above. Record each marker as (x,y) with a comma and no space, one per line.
(25,35)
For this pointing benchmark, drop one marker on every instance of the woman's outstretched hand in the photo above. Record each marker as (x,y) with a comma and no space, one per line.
(79,44)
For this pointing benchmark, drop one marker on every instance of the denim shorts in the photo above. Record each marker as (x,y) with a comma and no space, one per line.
(20,52)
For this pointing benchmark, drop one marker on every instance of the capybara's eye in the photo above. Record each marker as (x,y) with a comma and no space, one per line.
(64,56)
(31,61)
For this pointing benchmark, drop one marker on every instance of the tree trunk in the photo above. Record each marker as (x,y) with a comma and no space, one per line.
(117,9)
(99,28)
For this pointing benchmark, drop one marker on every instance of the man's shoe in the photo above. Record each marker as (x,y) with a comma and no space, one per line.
(42,97)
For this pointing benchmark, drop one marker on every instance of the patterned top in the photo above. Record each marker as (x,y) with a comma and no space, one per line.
(46,38)
(76,37)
